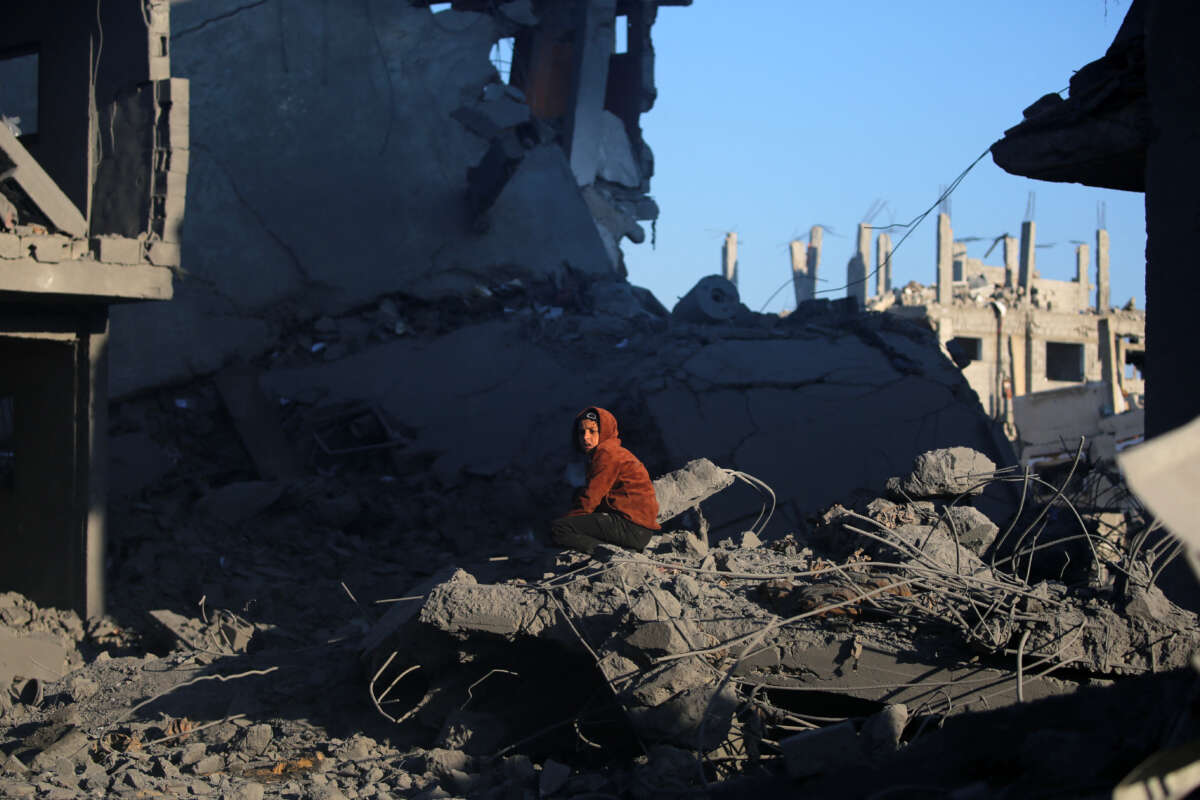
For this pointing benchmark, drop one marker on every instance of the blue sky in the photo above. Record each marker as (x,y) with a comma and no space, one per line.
(775,115)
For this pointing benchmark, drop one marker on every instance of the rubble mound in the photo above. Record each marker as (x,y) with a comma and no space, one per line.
(805,655)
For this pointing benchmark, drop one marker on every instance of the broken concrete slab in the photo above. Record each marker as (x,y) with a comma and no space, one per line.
(686,488)
(35,655)
(947,472)
(615,162)
(276,252)
(257,422)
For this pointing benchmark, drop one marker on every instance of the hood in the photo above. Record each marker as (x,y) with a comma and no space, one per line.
(608,425)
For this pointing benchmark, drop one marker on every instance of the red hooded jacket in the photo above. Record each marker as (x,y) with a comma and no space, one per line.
(616,481)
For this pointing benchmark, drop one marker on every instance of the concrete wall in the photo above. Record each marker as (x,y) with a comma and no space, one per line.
(327,169)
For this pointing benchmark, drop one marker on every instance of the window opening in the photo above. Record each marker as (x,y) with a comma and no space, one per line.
(19,90)
(622,30)
(439,7)
(502,56)
(965,349)
(1135,363)
(1064,361)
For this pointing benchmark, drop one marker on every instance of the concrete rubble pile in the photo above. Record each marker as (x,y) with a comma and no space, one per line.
(269,518)
(803,656)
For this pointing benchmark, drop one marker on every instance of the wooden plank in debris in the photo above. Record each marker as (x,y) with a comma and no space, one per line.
(257,423)
(41,189)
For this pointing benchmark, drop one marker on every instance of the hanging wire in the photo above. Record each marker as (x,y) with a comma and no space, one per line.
(911,226)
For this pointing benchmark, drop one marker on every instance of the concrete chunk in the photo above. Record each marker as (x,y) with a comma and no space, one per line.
(947,472)
(687,487)
(118,250)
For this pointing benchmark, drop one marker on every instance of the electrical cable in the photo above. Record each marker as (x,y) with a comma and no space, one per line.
(911,226)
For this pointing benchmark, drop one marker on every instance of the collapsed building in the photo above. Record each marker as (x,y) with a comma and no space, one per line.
(375,148)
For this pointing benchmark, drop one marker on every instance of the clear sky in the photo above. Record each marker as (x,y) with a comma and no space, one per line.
(775,115)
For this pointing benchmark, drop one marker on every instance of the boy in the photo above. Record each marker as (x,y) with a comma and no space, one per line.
(617,506)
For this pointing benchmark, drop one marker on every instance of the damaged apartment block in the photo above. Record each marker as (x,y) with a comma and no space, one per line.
(1047,362)
(581,75)
(93,167)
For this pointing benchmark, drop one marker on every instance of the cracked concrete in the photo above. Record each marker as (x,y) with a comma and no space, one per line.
(814,412)
(302,193)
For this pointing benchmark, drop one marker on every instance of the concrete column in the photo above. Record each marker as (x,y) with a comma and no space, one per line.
(856,268)
(92,442)
(815,234)
(596,38)
(1026,267)
(1010,262)
(1172,212)
(1110,369)
(883,264)
(1082,256)
(945,260)
(1103,301)
(802,282)
(729,259)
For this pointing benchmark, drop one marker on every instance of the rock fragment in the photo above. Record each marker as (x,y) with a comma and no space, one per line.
(947,472)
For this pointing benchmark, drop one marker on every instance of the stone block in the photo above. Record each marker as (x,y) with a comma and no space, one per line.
(118,250)
(657,638)
(50,249)
(164,254)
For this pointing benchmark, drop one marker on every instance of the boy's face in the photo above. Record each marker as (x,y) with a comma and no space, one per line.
(589,435)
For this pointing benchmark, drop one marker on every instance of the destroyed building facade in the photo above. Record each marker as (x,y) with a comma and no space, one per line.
(375,148)
(1047,362)
(93,167)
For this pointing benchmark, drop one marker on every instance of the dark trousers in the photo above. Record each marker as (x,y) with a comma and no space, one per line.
(584,531)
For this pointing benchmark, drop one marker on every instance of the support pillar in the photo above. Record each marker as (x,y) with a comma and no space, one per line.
(1113,397)
(1103,301)
(945,260)
(1082,256)
(802,282)
(815,235)
(729,259)
(1026,267)
(1172,211)
(883,264)
(1010,262)
(92,464)
(856,268)
(596,37)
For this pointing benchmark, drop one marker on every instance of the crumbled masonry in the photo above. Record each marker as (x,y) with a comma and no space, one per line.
(878,613)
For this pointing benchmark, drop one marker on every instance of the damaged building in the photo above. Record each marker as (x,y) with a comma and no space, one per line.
(337,449)
(1047,362)
(93,170)
(375,148)
(1128,122)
